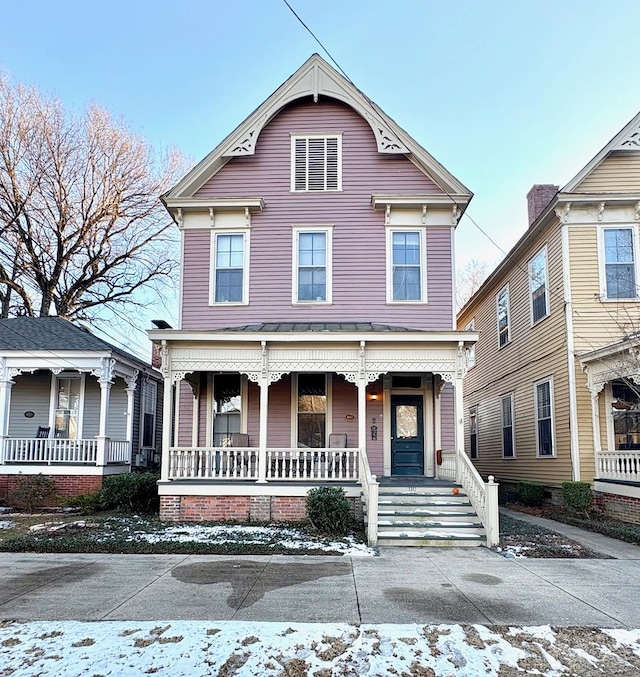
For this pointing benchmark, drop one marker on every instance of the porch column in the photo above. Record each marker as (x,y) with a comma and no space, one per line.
(362,415)
(105,379)
(131,382)
(595,390)
(5,404)
(167,413)
(459,406)
(264,418)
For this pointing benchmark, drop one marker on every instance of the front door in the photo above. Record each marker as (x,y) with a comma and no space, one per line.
(407,435)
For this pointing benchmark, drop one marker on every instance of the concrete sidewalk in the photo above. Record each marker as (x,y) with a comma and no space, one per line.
(607,546)
(402,585)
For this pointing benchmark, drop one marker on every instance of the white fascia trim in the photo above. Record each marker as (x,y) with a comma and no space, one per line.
(75,470)
(468,338)
(196,488)
(573,395)
(419,200)
(253,203)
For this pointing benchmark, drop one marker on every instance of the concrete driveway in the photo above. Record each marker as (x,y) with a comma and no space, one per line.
(402,585)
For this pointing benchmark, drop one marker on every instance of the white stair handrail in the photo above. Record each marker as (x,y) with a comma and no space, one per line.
(370,490)
(483,496)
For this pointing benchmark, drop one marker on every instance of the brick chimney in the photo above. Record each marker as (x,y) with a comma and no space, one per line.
(156,356)
(538,198)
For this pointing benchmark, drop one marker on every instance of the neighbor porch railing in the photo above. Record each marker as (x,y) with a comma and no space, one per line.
(241,463)
(49,451)
(370,487)
(618,465)
(483,496)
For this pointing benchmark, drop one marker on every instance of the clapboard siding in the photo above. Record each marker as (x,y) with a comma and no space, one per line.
(31,392)
(359,265)
(344,403)
(117,418)
(616,173)
(185,414)
(447,418)
(534,353)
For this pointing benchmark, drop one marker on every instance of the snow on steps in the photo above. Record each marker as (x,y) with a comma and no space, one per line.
(427,516)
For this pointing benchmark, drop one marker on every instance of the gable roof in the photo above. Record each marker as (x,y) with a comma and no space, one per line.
(627,139)
(53,334)
(313,79)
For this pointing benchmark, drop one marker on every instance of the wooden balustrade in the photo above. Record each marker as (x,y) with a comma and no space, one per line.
(49,451)
(618,465)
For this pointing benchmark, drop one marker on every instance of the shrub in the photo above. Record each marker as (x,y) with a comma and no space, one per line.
(89,502)
(507,493)
(329,511)
(577,496)
(32,492)
(531,493)
(131,492)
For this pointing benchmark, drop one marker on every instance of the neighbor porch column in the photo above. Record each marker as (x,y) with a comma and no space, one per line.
(105,379)
(595,391)
(5,404)
(167,413)
(458,406)
(132,382)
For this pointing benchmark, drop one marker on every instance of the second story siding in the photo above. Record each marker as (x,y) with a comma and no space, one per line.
(358,231)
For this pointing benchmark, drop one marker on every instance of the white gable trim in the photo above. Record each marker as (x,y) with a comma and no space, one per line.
(313,79)
(628,138)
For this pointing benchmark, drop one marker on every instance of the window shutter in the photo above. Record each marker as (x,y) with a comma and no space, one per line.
(301,164)
(332,164)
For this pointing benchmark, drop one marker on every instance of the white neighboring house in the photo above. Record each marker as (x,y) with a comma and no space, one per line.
(73,406)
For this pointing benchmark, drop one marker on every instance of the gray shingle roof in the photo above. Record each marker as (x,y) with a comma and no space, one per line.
(53,334)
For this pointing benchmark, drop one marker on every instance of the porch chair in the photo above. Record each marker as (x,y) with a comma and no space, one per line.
(42,432)
(337,441)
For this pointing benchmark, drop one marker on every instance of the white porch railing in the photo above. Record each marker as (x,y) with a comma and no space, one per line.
(483,496)
(618,465)
(370,490)
(447,469)
(118,451)
(49,451)
(241,463)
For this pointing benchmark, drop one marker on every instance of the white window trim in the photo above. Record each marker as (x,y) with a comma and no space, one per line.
(471,351)
(316,135)
(602,263)
(328,379)
(54,398)
(511,398)
(423,264)
(548,380)
(473,412)
(508,341)
(146,384)
(245,268)
(328,231)
(546,285)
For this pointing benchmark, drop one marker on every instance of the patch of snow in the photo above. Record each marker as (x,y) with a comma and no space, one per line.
(7,524)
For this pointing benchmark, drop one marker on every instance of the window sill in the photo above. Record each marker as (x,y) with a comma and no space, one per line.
(504,345)
(538,321)
(635,299)
(406,303)
(316,192)
(227,304)
(311,303)
(546,456)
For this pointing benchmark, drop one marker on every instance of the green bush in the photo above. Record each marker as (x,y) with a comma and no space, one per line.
(88,503)
(135,492)
(577,496)
(32,492)
(329,511)
(531,493)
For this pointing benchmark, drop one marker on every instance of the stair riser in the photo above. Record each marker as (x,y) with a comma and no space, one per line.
(423,543)
(409,517)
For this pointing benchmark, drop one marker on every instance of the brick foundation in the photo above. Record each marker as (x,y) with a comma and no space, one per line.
(623,508)
(239,508)
(67,485)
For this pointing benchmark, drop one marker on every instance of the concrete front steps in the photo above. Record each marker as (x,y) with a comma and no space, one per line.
(422,515)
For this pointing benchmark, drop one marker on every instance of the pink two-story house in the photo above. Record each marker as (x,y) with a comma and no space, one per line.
(317,340)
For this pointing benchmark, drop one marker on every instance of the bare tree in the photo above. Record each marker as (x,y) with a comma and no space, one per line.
(81,225)
(469,279)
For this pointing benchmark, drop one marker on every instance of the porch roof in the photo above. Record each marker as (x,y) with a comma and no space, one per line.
(275,327)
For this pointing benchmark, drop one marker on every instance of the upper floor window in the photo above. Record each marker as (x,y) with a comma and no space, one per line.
(544,417)
(619,263)
(473,433)
(502,306)
(316,163)
(405,265)
(149,398)
(312,266)
(471,352)
(230,267)
(508,441)
(538,284)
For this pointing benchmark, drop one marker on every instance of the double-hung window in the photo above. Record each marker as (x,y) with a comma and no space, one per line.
(149,397)
(538,284)
(619,263)
(230,270)
(316,163)
(473,433)
(312,265)
(502,308)
(508,442)
(405,265)
(544,417)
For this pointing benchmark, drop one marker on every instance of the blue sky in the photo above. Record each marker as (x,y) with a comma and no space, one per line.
(505,94)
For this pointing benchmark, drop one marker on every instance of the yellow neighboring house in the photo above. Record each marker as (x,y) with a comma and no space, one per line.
(553,388)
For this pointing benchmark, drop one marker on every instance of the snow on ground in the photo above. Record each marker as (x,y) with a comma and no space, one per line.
(227,648)
(7,524)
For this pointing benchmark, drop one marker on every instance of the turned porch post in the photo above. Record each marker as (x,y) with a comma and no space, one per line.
(5,404)
(132,382)
(105,379)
